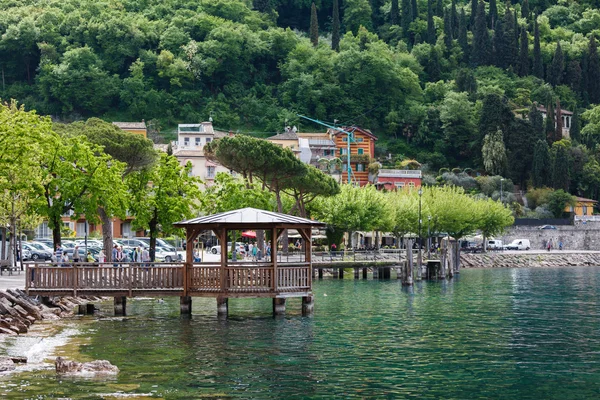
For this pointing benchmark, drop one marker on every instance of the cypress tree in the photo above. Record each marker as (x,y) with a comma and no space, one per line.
(541,164)
(447,32)
(394,13)
(511,52)
(525,9)
(575,129)
(493,14)
(481,38)
(559,124)
(335,26)
(431,38)
(439,9)
(462,36)
(499,45)
(465,81)
(454,19)
(406,18)
(433,66)
(314,26)
(414,10)
(474,8)
(524,54)
(574,76)
(537,122)
(549,123)
(560,170)
(557,68)
(593,72)
(538,66)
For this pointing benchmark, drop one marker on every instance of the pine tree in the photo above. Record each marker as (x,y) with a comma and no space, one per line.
(538,65)
(524,53)
(406,18)
(557,68)
(493,14)
(414,10)
(593,72)
(499,45)
(474,8)
(431,37)
(537,122)
(541,164)
(549,123)
(394,12)
(511,52)
(481,39)
(447,32)
(560,170)
(559,123)
(575,130)
(525,9)
(314,26)
(439,8)
(335,26)
(454,19)
(462,36)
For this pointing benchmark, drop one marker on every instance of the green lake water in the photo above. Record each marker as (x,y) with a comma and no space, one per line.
(498,333)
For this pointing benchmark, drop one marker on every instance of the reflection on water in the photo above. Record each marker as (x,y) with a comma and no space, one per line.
(504,334)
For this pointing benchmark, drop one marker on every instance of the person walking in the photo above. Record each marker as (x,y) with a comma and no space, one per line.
(254,252)
(146,256)
(114,252)
(101,257)
(58,253)
(64,259)
(137,255)
(76,254)
(120,256)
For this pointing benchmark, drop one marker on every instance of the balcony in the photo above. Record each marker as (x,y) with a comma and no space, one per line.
(400,173)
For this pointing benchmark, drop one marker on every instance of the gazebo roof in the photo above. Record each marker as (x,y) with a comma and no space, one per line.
(249,218)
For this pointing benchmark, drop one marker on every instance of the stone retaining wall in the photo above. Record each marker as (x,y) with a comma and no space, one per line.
(529,260)
(578,237)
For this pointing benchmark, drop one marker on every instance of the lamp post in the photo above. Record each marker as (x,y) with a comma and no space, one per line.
(419,257)
(501,191)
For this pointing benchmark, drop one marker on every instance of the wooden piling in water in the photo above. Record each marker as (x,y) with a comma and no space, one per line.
(185,305)
(279,306)
(364,273)
(308,305)
(356,273)
(120,304)
(408,274)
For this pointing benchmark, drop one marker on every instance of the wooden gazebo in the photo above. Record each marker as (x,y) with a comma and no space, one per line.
(231,278)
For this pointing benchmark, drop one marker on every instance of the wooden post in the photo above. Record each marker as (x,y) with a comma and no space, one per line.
(279,306)
(223,238)
(308,305)
(341,272)
(419,262)
(120,305)
(375,273)
(335,272)
(90,309)
(185,305)
(75,281)
(408,275)
(222,305)
(364,273)
(356,273)
(274,259)
(320,273)
(308,253)
(189,258)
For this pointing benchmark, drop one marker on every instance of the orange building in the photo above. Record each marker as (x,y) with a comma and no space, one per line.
(583,207)
(133,127)
(362,150)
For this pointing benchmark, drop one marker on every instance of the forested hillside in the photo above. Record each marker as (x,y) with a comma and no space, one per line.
(448,83)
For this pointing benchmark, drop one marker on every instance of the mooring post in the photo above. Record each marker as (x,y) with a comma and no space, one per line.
(387,272)
(341,272)
(335,272)
(90,309)
(120,303)
(356,273)
(222,306)
(375,273)
(279,306)
(364,273)
(308,305)
(185,304)
(320,273)
(408,275)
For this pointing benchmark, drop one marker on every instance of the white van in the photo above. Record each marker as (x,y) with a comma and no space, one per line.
(494,245)
(518,244)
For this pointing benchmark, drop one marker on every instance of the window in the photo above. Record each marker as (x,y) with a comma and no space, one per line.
(198,141)
(359,140)
(344,167)
(208,140)
(360,167)
(361,151)
(399,185)
(343,151)
(186,141)
(411,184)
(210,172)
(585,210)
(345,139)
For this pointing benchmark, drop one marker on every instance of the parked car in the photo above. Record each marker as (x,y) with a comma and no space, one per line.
(159,243)
(90,243)
(240,247)
(165,255)
(471,247)
(37,254)
(518,244)
(134,243)
(41,246)
(46,241)
(93,250)
(547,227)
(494,245)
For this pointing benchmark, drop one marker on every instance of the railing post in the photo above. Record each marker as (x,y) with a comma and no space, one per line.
(130,278)
(75,280)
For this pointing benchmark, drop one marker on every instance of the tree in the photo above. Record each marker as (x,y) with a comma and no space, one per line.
(537,121)
(593,72)
(439,8)
(494,153)
(511,35)
(499,45)
(307,187)
(495,114)
(493,14)
(447,32)
(525,9)
(431,36)
(456,114)
(229,193)
(481,39)
(462,36)
(335,27)
(560,169)
(492,218)
(558,201)
(314,26)
(454,19)
(357,13)
(550,128)
(538,65)
(406,18)
(161,196)
(474,8)
(524,54)
(590,133)
(575,131)
(541,164)
(394,13)
(559,124)
(557,68)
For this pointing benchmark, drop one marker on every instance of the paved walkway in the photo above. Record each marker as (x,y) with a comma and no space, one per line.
(14,281)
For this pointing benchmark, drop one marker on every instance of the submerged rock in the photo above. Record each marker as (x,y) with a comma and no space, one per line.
(98,367)
(6,364)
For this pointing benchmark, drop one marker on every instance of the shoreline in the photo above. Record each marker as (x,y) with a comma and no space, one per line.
(530,260)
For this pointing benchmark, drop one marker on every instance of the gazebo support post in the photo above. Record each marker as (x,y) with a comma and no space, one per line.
(279,306)
(274,249)
(120,304)
(308,305)
(185,305)
(222,306)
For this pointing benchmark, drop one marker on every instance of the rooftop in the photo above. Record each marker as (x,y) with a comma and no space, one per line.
(130,125)
(284,136)
(250,217)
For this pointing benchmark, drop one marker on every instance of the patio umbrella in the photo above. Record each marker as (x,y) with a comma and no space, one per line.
(249,234)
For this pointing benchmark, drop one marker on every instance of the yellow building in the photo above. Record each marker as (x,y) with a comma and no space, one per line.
(133,127)
(583,207)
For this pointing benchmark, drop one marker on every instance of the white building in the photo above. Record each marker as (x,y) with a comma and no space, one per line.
(567,117)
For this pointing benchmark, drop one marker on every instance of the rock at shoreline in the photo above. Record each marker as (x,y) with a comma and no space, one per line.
(6,364)
(98,367)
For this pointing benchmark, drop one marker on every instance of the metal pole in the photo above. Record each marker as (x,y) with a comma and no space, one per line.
(420,196)
(428,236)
